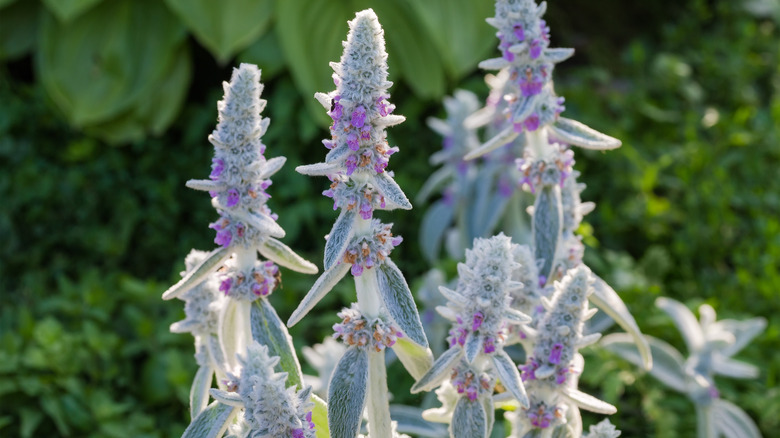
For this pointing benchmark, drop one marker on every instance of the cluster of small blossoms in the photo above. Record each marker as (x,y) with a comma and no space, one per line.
(542,416)
(271,409)
(355,330)
(370,250)
(537,173)
(359,106)
(479,305)
(202,305)
(239,171)
(260,281)
(348,195)
(471,383)
(521,31)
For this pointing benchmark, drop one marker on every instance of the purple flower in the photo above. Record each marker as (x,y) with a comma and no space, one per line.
(383,107)
(233,197)
(396,240)
(536,49)
(555,354)
(517,127)
(471,392)
(561,375)
(517,29)
(476,321)
(532,122)
(530,87)
(542,280)
(357,269)
(298,433)
(352,141)
(223,238)
(488,346)
(328,143)
(365,132)
(366,211)
(545,30)
(358,117)
(336,110)
(309,420)
(351,163)
(217,167)
(226,285)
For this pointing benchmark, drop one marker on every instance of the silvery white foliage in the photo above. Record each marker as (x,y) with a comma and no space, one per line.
(435,325)
(480,314)
(549,373)
(270,408)
(603,429)
(356,164)
(711,345)
(323,358)
(223,289)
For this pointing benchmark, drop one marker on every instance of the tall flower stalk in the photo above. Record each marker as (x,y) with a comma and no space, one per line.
(226,290)
(385,314)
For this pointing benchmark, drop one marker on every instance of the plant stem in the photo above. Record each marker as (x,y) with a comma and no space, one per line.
(379,423)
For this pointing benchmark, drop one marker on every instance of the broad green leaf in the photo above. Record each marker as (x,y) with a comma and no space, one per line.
(469,420)
(19,24)
(459,32)
(199,392)
(266,53)
(319,416)
(212,422)
(399,302)
(67,10)
(347,393)
(99,66)
(227,26)
(310,34)
(547,223)
(411,51)
(268,330)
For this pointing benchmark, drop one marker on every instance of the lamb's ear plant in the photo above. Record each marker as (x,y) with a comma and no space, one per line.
(226,290)
(481,316)
(385,314)
(711,344)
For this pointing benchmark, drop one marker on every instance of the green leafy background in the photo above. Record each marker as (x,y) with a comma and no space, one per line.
(106,106)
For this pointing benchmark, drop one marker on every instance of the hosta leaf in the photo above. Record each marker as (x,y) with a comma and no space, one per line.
(575,133)
(319,416)
(303,25)
(94,76)
(19,24)
(210,264)
(212,422)
(199,392)
(607,300)
(266,53)
(322,286)
(547,223)
(439,371)
(733,422)
(435,222)
(393,194)
(280,253)
(410,49)
(347,393)
(399,302)
(227,26)
(510,377)
(268,330)
(339,237)
(459,32)
(67,10)
(469,420)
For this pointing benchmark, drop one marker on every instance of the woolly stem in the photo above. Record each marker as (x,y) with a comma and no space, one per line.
(379,423)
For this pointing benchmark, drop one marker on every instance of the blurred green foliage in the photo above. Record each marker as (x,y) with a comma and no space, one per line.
(92,234)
